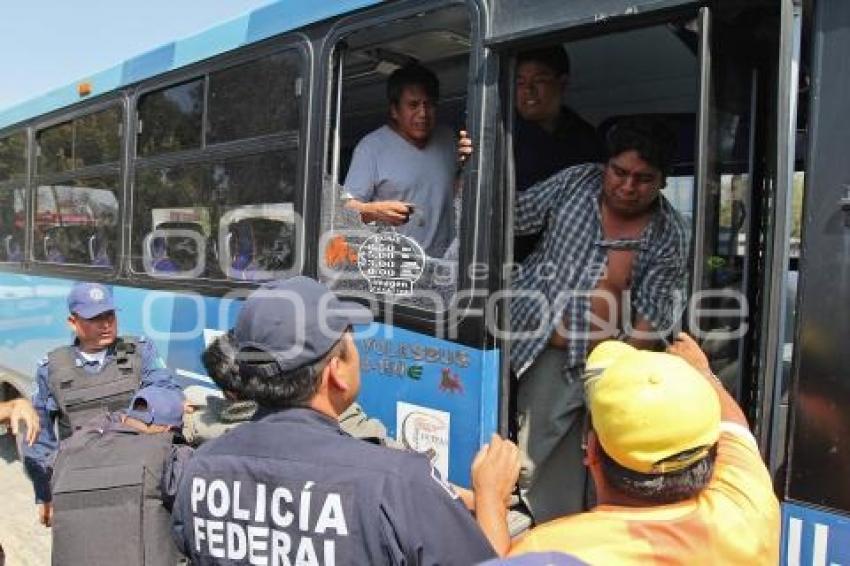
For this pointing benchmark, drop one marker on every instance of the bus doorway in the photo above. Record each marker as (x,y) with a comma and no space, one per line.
(707,74)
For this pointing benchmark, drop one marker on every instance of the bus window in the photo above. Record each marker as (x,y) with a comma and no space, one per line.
(258,181)
(374,159)
(77,207)
(93,139)
(13,168)
(76,222)
(245,101)
(56,149)
(170,119)
(246,228)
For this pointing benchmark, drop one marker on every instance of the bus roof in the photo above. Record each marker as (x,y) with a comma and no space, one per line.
(256,25)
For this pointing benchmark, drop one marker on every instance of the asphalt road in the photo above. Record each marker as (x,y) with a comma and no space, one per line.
(24,540)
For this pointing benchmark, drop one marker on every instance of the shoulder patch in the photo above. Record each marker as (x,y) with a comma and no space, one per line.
(447,487)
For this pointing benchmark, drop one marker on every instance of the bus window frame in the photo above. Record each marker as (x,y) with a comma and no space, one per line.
(19,266)
(34,180)
(473,247)
(296,41)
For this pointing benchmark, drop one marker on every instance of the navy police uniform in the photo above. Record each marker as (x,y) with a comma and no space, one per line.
(293,488)
(137,357)
(39,457)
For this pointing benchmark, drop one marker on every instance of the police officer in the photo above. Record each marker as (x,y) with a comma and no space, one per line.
(292,487)
(218,413)
(98,373)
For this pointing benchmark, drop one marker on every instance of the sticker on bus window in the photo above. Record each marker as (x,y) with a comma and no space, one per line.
(426,431)
(391,263)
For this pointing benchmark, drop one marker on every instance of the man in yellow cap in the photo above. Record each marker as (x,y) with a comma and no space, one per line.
(678,474)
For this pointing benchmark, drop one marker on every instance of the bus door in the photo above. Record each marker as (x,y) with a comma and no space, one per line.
(816,513)
(707,72)
(429,365)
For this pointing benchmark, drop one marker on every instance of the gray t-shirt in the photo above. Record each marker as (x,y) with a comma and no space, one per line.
(385,166)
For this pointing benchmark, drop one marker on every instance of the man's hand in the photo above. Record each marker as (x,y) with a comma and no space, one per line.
(494,474)
(22,410)
(392,212)
(685,347)
(45,514)
(495,470)
(464,148)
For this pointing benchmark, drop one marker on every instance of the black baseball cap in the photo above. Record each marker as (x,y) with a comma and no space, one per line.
(292,323)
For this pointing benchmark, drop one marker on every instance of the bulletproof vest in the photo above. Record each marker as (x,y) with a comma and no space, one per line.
(107,500)
(82,396)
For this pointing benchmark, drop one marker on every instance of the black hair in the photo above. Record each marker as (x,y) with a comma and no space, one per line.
(554,57)
(253,375)
(412,74)
(219,359)
(653,139)
(661,488)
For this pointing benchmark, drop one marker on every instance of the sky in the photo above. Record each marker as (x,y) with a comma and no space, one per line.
(45,44)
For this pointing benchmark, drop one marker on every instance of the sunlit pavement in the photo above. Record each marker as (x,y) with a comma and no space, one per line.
(24,540)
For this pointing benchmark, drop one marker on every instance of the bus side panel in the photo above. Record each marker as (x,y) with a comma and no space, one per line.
(33,315)
(180,324)
(814,537)
(431,394)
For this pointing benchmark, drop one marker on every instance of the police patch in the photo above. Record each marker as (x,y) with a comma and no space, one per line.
(447,487)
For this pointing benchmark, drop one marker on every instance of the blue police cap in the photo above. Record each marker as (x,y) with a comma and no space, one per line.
(157,405)
(293,323)
(89,300)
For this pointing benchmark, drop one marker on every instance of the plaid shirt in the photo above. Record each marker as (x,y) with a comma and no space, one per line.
(553,283)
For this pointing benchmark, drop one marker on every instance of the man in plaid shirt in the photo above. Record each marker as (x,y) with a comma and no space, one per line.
(610,264)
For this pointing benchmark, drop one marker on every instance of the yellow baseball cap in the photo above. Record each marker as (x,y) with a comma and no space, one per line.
(603,355)
(652,412)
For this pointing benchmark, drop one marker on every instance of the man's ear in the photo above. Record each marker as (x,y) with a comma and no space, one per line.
(334,378)
(72,323)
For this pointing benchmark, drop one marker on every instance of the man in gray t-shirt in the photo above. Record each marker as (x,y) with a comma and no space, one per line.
(403,173)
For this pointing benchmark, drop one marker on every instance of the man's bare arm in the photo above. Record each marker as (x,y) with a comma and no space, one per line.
(494,474)
(18,410)
(686,348)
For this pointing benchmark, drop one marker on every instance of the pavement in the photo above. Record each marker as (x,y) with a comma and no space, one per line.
(24,540)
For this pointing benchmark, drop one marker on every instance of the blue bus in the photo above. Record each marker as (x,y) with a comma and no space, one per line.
(186,176)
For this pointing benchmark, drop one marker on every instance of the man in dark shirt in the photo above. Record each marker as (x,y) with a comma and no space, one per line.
(292,487)
(549,136)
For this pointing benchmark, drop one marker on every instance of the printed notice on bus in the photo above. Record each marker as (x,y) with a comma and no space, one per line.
(426,431)
(391,263)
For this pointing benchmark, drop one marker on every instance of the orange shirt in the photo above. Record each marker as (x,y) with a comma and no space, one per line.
(735,520)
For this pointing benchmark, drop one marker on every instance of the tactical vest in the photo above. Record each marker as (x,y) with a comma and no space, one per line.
(81,396)
(107,500)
